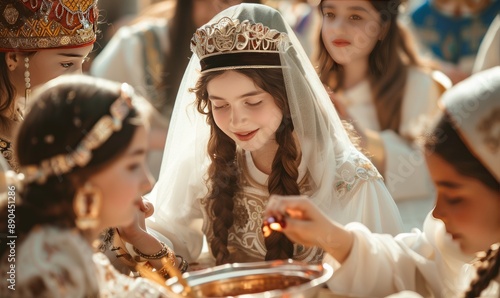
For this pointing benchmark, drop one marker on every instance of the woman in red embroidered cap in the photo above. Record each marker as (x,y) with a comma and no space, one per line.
(39,40)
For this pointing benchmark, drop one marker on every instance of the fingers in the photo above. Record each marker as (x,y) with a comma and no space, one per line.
(287,206)
(147,207)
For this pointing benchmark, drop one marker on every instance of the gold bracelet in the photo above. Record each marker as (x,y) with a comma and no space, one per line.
(164,252)
(183,266)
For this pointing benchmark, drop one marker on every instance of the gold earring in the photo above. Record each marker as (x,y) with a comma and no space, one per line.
(27,79)
(87,206)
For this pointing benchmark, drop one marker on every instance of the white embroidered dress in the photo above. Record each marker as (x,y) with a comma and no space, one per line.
(339,179)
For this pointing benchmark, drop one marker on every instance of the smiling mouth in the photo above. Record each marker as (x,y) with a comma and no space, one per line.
(246,136)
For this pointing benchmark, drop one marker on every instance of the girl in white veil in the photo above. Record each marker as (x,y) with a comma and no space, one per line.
(211,186)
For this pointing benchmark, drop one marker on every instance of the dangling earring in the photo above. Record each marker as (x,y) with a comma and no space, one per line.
(87,205)
(27,80)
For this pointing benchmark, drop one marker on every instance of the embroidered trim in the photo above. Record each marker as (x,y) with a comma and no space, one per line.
(363,170)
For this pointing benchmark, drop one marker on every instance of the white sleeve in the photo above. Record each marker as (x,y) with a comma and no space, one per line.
(178,216)
(383,265)
(122,59)
(371,204)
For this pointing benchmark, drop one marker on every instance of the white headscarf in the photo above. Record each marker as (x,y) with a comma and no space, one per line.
(323,139)
(474,106)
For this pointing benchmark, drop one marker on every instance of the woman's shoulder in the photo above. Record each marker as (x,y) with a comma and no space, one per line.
(51,260)
(357,168)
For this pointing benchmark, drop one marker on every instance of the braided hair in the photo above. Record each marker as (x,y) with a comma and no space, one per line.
(487,265)
(223,172)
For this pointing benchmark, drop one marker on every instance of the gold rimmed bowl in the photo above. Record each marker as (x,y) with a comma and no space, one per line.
(281,278)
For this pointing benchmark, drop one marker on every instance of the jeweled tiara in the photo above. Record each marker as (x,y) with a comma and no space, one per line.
(229,44)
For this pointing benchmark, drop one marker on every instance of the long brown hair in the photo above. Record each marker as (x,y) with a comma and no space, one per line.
(223,172)
(388,65)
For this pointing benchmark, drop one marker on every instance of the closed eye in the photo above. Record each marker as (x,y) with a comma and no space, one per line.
(254,104)
(216,107)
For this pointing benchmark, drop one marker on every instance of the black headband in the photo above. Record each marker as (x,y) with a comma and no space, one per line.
(241,59)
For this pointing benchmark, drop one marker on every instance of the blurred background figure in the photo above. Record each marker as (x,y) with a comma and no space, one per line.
(450,31)
(488,54)
(152,53)
(113,14)
(380,84)
(302,16)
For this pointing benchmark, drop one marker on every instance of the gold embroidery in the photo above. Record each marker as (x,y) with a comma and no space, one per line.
(363,169)
(10,14)
(54,24)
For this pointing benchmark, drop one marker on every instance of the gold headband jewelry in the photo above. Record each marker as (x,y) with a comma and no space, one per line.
(100,133)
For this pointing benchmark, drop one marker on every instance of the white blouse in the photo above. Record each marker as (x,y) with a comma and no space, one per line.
(428,263)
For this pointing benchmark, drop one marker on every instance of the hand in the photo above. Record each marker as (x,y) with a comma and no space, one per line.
(137,234)
(306,224)
(137,230)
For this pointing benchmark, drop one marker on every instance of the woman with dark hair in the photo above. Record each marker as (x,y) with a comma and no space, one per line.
(463,153)
(367,57)
(82,154)
(253,119)
(36,45)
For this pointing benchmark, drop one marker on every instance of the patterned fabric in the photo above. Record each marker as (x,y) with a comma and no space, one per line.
(8,153)
(55,263)
(246,241)
(451,38)
(44,24)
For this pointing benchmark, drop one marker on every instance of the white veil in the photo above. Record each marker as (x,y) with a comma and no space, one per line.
(323,140)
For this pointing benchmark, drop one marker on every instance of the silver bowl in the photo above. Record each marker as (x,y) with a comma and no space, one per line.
(258,279)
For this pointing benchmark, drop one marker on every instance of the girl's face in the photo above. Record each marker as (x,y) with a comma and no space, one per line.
(350,29)
(244,112)
(469,209)
(45,65)
(124,182)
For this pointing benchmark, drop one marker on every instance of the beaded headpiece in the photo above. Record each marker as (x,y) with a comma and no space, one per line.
(46,24)
(229,44)
(81,156)
(474,107)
